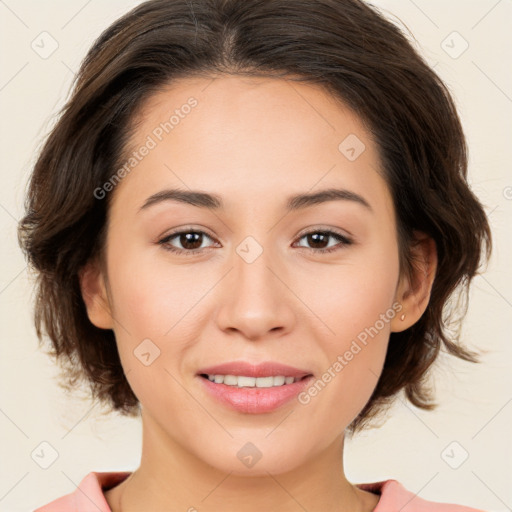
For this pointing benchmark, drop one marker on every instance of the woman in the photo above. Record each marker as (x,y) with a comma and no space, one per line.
(247,224)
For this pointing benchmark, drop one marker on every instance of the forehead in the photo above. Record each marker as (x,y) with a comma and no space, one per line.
(247,137)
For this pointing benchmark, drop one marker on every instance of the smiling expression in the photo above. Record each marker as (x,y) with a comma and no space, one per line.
(216,253)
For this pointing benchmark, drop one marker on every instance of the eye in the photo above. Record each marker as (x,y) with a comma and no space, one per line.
(320,237)
(191,241)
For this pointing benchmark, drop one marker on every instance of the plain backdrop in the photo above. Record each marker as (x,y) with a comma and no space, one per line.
(459,453)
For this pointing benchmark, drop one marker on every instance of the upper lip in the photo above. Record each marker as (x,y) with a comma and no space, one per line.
(264,369)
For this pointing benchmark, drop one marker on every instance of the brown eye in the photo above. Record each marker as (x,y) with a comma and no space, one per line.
(189,242)
(319,241)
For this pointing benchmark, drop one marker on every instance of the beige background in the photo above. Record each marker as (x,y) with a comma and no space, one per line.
(475,400)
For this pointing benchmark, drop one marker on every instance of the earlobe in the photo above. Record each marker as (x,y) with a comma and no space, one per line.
(414,291)
(94,294)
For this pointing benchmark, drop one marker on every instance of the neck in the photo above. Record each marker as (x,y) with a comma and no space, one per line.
(172,478)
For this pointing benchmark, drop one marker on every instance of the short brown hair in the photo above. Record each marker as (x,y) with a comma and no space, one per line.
(346,46)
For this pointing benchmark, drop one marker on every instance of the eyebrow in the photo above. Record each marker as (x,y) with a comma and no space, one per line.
(293,203)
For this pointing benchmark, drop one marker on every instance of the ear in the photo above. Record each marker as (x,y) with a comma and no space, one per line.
(413,291)
(94,293)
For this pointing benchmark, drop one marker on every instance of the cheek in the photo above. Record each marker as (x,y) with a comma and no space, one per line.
(355,301)
(153,313)
(351,296)
(157,309)
(153,298)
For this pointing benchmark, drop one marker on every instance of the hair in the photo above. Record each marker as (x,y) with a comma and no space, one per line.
(346,46)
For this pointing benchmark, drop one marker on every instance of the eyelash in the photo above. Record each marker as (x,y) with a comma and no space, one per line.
(344,240)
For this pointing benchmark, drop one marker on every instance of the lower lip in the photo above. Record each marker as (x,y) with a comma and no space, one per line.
(255,400)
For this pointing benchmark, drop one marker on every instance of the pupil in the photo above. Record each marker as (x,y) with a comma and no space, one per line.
(188,238)
(313,239)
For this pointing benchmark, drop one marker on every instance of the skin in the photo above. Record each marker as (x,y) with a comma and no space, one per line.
(254,142)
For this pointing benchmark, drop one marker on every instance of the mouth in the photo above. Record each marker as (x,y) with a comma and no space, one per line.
(251,388)
(245,381)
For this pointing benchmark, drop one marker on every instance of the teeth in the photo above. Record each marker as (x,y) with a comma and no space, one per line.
(242,381)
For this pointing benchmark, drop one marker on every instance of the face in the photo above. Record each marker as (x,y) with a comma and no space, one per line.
(256,278)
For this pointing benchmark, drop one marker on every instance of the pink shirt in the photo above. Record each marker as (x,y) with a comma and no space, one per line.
(88,497)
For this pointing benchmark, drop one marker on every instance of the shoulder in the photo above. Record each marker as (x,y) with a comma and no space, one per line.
(88,496)
(394,497)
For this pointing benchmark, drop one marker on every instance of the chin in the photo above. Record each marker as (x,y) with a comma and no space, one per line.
(256,457)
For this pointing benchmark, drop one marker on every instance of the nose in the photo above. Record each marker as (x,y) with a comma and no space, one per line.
(255,300)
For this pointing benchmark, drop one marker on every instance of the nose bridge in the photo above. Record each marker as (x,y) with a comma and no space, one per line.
(253,276)
(257,299)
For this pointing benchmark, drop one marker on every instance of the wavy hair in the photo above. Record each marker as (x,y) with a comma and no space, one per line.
(346,46)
